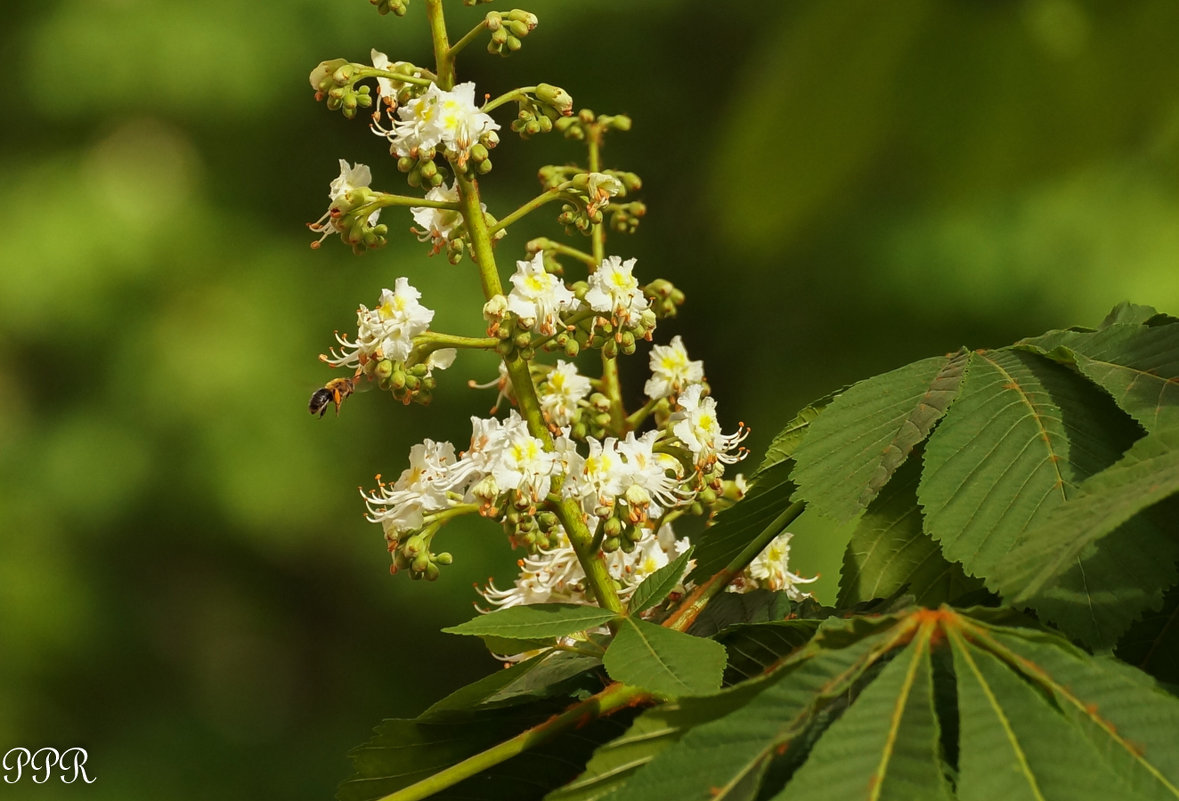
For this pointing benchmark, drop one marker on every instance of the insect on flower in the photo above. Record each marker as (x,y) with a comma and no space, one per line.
(334,391)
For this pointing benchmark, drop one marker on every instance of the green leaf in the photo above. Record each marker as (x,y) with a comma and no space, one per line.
(738,525)
(853,449)
(534,622)
(787,440)
(1015,745)
(1152,643)
(1127,721)
(889,551)
(664,661)
(552,673)
(653,731)
(732,608)
(1024,433)
(659,584)
(1133,313)
(885,746)
(1094,564)
(725,759)
(1137,365)
(756,648)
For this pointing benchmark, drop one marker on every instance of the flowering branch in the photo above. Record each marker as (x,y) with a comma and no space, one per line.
(589,490)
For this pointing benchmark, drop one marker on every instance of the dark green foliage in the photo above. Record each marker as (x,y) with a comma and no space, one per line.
(1040,480)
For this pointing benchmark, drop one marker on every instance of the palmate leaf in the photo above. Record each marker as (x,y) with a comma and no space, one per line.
(1138,365)
(1012,742)
(654,730)
(852,450)
(1035,718)
(725,759)
(1023,434)
(889,551)
(885,746)
(1127,720)
(664,661)
(1094,564)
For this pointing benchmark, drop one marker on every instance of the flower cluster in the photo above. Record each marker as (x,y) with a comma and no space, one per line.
(770,570)
(569,471)
(349,193)
(440,118)
(384,345)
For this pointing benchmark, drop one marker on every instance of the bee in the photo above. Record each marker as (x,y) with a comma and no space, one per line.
(334,391)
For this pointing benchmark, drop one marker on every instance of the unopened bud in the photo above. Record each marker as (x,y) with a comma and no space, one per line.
(556,97)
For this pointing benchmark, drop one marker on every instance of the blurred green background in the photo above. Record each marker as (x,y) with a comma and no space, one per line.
(187,586)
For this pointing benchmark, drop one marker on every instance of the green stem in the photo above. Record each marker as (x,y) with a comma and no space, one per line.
(401,77)
(610,700)
(547,196)
(432,341)
(457,510)
(479,234)
(611,383)
(469,37)
(597,576)
(384,199)
(507,97)
(594,156)
(443,56)
(561,249)
(685,614)
(636,419)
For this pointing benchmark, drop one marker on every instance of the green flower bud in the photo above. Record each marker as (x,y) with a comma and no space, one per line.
(443,558)
(397,7)
(321,77)
(557,98)
(383,370)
